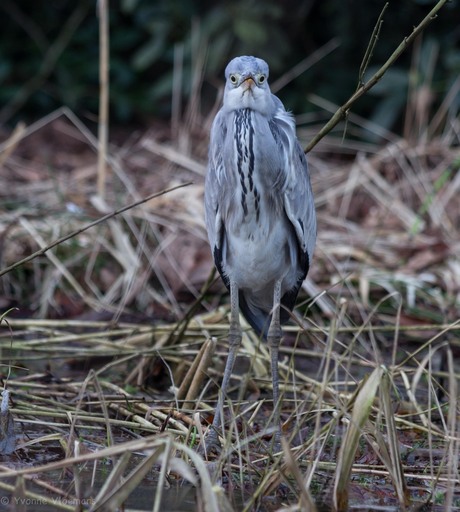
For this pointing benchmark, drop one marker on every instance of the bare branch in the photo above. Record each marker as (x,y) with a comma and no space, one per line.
(342,111)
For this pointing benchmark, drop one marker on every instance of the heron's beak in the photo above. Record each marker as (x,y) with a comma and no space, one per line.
(248,83)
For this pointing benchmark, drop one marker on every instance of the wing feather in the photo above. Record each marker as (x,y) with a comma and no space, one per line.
(298,199)
(298,196)
(216,195)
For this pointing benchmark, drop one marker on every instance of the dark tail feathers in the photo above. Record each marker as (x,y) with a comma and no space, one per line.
(259,319)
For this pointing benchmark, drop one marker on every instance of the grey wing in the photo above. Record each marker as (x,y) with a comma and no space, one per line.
(300,210)
(298,196)
(216,184)
(299,202)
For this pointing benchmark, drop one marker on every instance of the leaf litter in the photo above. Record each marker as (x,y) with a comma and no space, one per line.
(109,323)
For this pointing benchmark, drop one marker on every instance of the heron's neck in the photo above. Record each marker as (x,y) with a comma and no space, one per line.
(244,134)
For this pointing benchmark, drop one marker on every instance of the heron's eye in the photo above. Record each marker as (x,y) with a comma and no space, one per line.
(233,79)
(262,79)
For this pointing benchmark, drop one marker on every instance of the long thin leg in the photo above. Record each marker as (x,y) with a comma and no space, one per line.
(274,340)
(234,341)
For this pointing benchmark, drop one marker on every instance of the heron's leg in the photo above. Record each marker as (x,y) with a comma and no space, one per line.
(234,342)
(274,340)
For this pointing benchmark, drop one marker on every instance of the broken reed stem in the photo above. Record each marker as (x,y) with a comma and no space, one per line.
(343,110)
(103,126)
(193,380)
(12,141)
(187,380)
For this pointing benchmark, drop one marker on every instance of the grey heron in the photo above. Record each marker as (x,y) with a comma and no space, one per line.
(259,212)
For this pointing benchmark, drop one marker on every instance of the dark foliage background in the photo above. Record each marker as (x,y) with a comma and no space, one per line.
(49,52)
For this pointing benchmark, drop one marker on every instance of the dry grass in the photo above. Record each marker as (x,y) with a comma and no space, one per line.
(384,290)
(114,321)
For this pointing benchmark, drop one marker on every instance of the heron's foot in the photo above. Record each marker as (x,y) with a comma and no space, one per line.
(210,445)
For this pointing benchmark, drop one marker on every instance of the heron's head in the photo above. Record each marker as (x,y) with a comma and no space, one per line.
(247,84)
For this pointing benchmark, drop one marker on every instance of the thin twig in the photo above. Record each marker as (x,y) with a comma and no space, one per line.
(370,48)
(88,226)
(342,111)
(305,64)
